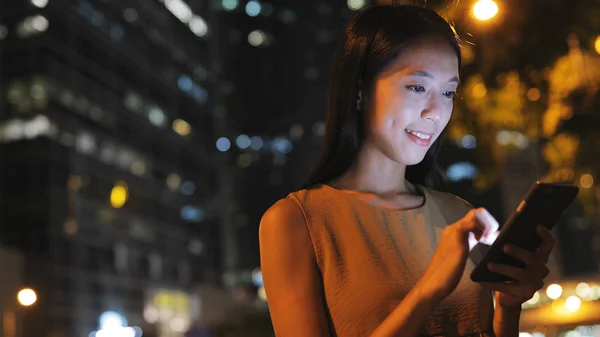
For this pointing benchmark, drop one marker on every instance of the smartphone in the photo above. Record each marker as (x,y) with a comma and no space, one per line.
(543,205)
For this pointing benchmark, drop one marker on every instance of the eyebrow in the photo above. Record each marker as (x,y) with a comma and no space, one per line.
(421,73)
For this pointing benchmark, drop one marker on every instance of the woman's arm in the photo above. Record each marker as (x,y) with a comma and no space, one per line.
(294,288)
(506,321)
(290,272)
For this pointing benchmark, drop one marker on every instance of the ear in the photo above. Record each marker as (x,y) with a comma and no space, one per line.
(359,100)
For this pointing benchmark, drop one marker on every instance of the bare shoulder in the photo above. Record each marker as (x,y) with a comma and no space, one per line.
(282,221)
(286,215)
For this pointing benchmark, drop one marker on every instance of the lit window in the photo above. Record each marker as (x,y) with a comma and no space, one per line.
(39,126)
(192,213)
(156,116)
(133,101)
(229,5)
(468,142)
(188,188)
(13,130)
(32,25)
(356,4)
(198,26)
(39,3)
(244,160)
(119,194)
(257,38)
(130,15)
(318,129)
(86,143)
(281,145)
(256,143)
(253,8)
(179,9)
(223,144)
(461,171)
(182,127)
(200,95)
(16,93)
(288,16)
(242,141)
(138,167)
(185,83)
(296,131)
(173,181)
(117,32)
(97,18)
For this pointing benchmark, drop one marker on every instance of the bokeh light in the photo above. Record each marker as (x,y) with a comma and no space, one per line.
(485,9)
(554,291)
(27,297)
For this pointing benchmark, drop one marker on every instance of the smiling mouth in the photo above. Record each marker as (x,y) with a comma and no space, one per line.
(424,136)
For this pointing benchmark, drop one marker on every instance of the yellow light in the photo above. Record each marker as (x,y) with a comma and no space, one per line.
(182,127)
(26,297)
(586,181)
(479,90)
(485,9)
(262,294)
(119,194)
(572,303)
(584,291)
(534,299)
(533,94)
(554,291)
(597,44)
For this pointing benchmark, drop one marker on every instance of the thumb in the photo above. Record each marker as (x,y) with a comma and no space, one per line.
(470,223)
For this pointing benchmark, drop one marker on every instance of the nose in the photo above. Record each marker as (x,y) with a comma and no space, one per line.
(432,112)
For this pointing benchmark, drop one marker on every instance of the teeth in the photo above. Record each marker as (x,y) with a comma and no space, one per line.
(418,134)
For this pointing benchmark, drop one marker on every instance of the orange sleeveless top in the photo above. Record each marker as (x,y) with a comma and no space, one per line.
(370,258)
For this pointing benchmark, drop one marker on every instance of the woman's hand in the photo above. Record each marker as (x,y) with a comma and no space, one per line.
(529,279)
(448,263)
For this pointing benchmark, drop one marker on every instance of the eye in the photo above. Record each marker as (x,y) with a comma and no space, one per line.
(449,94)
(416,88)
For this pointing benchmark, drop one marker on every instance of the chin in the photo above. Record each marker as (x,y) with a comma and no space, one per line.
(410,159)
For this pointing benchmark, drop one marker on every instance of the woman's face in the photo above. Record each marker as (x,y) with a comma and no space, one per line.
(412,101)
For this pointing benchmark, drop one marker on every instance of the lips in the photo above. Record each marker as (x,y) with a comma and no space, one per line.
(419,137)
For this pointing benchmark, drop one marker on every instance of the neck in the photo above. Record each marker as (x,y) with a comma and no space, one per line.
(375,173)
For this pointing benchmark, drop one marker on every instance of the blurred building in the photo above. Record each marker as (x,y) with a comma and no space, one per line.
(275,58)
(108,174)
(11,280)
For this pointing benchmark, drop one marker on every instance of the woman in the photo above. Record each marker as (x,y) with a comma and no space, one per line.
(365,249)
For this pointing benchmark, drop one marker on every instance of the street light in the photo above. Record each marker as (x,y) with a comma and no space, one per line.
(26,297)
(485,9)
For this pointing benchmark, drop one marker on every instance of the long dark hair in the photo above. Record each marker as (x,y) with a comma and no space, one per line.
(372,40)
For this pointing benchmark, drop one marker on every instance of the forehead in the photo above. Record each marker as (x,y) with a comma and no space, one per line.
(434,55)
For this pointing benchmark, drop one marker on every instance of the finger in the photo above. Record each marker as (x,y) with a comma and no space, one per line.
(469,223)
(530,259)
(548,243)
(518,291)
(517,274)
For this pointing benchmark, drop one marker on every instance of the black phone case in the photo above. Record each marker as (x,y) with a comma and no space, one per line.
(543,205)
